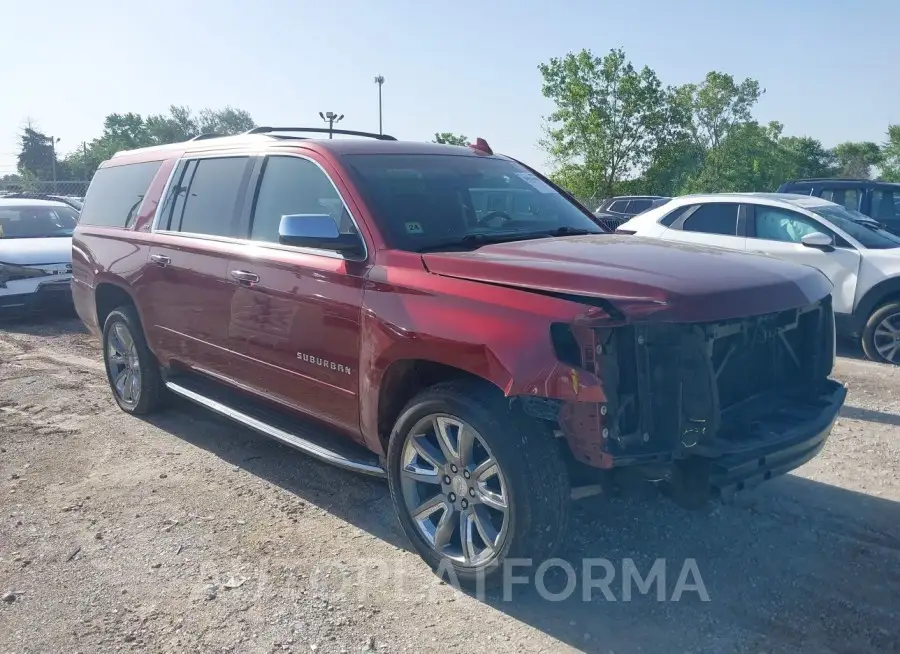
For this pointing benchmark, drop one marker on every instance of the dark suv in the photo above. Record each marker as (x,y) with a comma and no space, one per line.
(612,212)
(360,300)
(878,200)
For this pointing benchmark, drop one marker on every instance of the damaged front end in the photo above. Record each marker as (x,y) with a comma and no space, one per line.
(708,407)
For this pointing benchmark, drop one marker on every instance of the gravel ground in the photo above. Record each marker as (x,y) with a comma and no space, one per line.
(185,533)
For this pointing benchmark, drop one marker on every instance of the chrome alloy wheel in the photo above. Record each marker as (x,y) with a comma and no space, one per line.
(887,338)
(454,490)
(123,364)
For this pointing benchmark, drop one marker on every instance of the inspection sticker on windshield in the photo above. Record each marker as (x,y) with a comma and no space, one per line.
(536,182)
(414,228)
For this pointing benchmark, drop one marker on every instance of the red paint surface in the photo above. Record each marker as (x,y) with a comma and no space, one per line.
(471,310)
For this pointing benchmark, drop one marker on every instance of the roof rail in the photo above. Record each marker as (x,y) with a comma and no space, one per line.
(209,135)
(321,130)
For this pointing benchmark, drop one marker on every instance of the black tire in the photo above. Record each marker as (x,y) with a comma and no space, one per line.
(538,493)
(868,335)
(151,386)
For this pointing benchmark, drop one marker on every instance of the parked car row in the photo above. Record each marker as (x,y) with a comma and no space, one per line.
(449,319)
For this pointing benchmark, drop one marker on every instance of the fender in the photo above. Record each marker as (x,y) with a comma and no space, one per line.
(875,296)
(509,347)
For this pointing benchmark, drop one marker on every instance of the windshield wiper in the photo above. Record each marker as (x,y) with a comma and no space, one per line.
(481,238)
(470,241)
(570,231)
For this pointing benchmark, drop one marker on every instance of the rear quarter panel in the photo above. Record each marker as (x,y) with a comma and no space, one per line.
(113,255)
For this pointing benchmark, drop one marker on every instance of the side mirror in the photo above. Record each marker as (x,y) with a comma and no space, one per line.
(817,240)
(313,230)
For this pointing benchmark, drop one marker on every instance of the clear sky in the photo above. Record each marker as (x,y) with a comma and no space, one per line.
(829,67)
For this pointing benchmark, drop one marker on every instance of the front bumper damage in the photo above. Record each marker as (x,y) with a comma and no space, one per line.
(722,406)
(787,437)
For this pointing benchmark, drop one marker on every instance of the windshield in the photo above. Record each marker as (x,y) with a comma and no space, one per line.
(430,202)
(859,226)
(28,221)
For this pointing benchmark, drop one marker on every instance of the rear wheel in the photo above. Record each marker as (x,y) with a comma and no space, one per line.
(131,368)
(881,337)
(475,484)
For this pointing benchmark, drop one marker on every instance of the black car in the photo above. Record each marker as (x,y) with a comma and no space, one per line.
(878,200)
(612,212)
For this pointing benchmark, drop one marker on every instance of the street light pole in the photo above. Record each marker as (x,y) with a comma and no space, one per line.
(379,80)
(331,118)
(53,142)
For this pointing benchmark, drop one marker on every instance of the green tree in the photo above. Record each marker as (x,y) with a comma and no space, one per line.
(131,130)
(449,138)
(809,157)
(178,125)
(608,119)
(749,158)
(226,121)
(127,131)
(671,166)
(36,154)
(718,104)
(856,159)
(890,155)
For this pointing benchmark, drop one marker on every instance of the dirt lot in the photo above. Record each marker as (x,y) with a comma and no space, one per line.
(185,533)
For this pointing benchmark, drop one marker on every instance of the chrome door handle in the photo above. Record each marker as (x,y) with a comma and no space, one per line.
(160,260)
(245,277)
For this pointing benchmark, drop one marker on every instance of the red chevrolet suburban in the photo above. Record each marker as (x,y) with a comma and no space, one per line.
(452,320)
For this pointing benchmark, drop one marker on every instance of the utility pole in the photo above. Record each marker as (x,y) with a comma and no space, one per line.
(379,80)
(87,174)
(53,142)
(331,118)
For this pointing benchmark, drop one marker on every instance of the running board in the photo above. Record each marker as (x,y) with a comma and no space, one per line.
(304,444)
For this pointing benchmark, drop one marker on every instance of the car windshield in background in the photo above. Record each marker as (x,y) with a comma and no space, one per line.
(859,226)
(428,202)
(36,221)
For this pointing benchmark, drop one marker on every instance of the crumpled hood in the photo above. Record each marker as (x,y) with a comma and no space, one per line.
(31,251)
(642,277)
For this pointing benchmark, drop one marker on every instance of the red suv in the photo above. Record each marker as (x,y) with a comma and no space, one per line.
(452,320)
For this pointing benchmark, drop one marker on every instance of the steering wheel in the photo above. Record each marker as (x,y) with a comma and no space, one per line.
(502,215)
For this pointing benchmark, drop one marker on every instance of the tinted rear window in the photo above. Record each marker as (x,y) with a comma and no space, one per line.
(714,218)
(638,206)
(116,193)
(211,200)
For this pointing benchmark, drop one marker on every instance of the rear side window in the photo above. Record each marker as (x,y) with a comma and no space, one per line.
(886,206)
(209,196)
(669,219)
(715,218)
(116,193)
(846,197)
(637,206)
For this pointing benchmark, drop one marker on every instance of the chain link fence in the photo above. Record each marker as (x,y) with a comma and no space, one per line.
(68,188)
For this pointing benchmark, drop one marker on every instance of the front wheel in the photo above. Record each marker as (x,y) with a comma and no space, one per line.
(881,337)
(475,484)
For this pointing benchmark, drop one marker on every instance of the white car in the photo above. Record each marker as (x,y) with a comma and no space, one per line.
(35,254)
(861,259)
